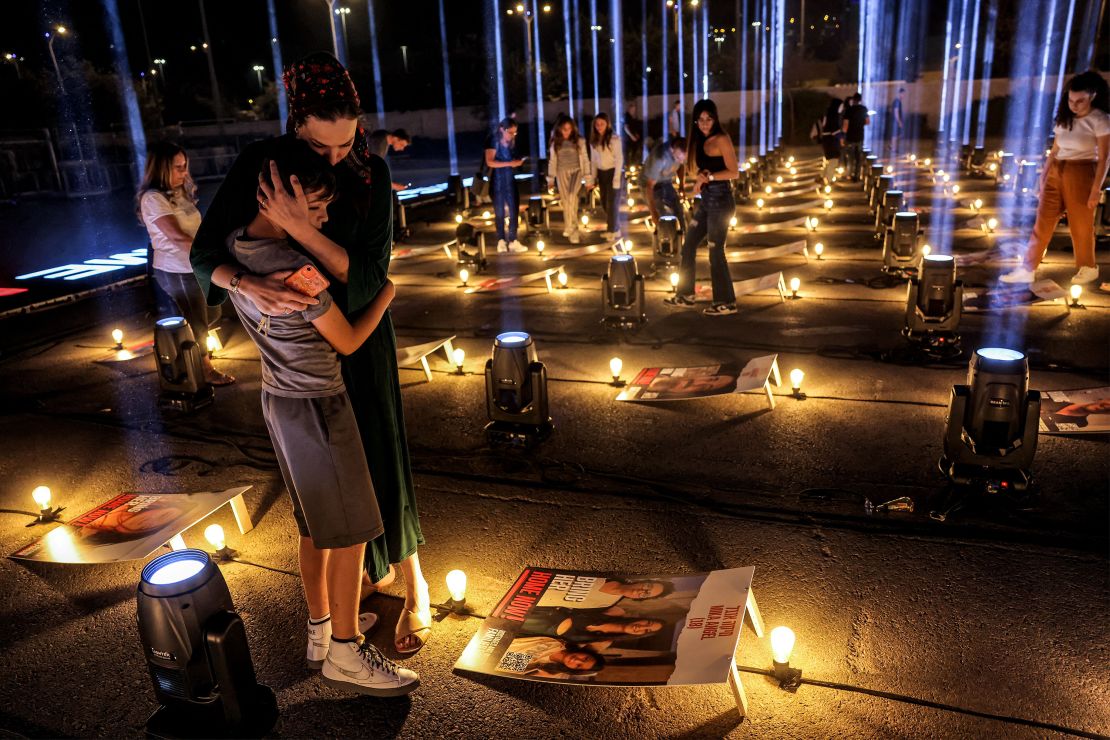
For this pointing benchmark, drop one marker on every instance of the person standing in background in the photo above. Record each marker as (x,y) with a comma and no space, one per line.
(500,159)
(855,123)
(606,165)
(674,121)
(567,165)
(633,135)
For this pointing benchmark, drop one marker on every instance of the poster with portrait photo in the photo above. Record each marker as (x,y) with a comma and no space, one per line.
(589,628)
(681,383)
(127,527)
(1081,411)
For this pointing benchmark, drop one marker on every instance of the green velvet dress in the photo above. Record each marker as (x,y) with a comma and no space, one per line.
(360,220)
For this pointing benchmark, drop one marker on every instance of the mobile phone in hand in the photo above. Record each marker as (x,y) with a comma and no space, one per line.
(307,281)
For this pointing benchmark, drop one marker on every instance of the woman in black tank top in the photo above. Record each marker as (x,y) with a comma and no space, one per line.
(710,151)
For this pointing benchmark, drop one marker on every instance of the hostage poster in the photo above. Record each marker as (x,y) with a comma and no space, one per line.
(1082,411)
(681,383)
(127,527)
(577,627)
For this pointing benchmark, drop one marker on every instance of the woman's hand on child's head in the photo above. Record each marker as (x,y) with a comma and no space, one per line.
(271,296)
(288,212)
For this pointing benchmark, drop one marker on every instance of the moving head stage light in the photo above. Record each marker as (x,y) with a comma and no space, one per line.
(879,186)
(467,236)
(539,220)
(900,245)
(991,433)
(1006,174)
(665,240)
(516,391)
(622,292)
(197,653)
(180,365)
(934,303)
(870,170)
(893,202)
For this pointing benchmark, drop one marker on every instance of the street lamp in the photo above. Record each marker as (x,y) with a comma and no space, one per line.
(161,69)
(58,31)
(258,68)
(343,12)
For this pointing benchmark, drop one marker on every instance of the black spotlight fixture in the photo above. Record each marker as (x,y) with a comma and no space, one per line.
(870,170)
(1005,177)
(622,292)
(934,303)
(196,650)
(900,244)
(470,249)
(180,365)
(538,218)
(991,427)
(665,240)
(965,156)
(1027,179)
(978,159)
(516,392)
(893,202)
(879,186)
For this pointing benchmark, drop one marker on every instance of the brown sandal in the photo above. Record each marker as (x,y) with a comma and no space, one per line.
(411,624)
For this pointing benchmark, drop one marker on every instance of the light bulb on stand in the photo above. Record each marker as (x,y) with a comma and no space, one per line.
(456,585)
(464,275)
(768,190)
(562,280)
(1076,291)
(732,222)
(795,283)
(778,180)
(828,205)
(631,202)
(627,245)
(458,356)
(926,250)
(674,282)
(955,190)
(819,249)
(214,533)
(782,644)
(212,344)
(41,495)
(585,220)
(486,215)
(759,203)
(796,378)
(458,218)
(828,189)
(992,224)
(615,366)
(117,337)
(539,246)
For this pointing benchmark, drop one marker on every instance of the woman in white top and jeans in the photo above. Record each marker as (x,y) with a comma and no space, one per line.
(167,206)
(606,165)
(1073,175)
(567,164)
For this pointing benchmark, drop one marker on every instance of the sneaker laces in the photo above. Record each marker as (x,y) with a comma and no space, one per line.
(370,653)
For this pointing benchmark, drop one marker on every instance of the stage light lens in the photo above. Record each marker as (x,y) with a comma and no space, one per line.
(41,495)
(937,258)
(117,336)
(170,322)
(782,644)
(214,533)
(622,257)
(615,366)
(456,585)
(1001,354)
(796,378)
(512,338)
(458,356)
(175,571)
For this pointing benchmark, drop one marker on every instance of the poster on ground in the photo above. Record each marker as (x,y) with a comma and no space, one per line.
(1081,411)
(1006,297)
(681,383)
(577,627)
(129,526)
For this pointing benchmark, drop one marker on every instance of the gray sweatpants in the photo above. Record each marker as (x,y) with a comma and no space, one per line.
(569,183)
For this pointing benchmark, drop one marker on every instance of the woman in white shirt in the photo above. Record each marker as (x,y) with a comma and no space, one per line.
(167,206)
(1073,177)
(606,165)
(567,164)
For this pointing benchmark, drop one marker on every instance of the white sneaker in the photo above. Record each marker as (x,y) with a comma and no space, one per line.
(364,670)
(566,232)
(1020,275)
(574,238)
(502,245)
(515,246)
(319,638)
(1085,275)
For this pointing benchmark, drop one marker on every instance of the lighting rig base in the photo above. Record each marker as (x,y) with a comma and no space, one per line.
(47,516)
(789,678)
(260,710)
(988,471)
(935,345)
(186,403)
(510,434)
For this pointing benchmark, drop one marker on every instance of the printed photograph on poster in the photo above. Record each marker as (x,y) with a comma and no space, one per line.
(598,629)
(127,527)
(1081,411)
(681,383)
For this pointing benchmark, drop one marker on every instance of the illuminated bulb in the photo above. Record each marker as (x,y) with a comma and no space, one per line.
(1076,291)
(813,224)
(795,283)
(992,224)
(768,190)
(117,337)
(946,179)
(615,366)
(464,275)
(793,170)
(955,190)
(631,202)
(790,159)
(456,584)
(562,280)
(212,344)
(782,641)
(486,215)
(977,203)
(539,246)
(458,356)
(926,250)
(674,281)
(458,218)
(840,170)
(753,160)
(759,203)
(889,169)
(828,204)
(992,167)
(796,378)
(819,249)
(732,222)
(779,179)
(214,533)
(41,495)
(828,189)
(585,219)
(928,161)
(627,243)
(913,157)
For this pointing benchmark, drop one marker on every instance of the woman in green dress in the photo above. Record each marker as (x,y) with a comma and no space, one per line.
(353,249)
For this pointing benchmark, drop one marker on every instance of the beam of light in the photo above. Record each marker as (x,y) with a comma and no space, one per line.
(966,129)
(1064,51)
(593,51)
(644,113)
(376,64)
(742,41)
(780,38)
(957,80)
(705,48)
(538,69)
(616,24)
(279,66)
(943,119)
(695,56)
(130,101)
(578,65)
(1038,122)
(764,77)
(448,99)
(495,73)
(681,71)
(534,142)
(1089,35)
(667,133)
(568,44)
(988,64)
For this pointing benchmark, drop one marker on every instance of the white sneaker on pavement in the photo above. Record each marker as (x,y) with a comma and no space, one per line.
(319,637)
(515,246)
(573,238)
(1020,275)
(1085,275)
(502,245)
(363,668)
(566,232)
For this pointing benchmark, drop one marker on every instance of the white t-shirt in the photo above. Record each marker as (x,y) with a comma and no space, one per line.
(169,257)
(1080,142)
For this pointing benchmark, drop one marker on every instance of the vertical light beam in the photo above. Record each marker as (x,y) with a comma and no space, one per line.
(988,64)
(279,66)
(449,104)
(681,71)
(376,64)
(130,101)
(570,58)
(593,50)
(536,65)
(667,133)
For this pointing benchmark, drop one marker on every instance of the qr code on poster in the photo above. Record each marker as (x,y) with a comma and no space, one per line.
(514,662)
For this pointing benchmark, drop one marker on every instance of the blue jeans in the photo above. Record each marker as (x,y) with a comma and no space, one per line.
(506,204)
(710,221)
(610,199)
(666,201)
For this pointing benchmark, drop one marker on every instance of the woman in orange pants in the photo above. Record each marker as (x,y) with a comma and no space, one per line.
(1073,175)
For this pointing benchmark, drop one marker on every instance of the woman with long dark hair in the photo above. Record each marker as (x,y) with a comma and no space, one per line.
(583,626)
(606,165)
(709,153)
(353,248)
(1072,180)
(567,164)
(830,138)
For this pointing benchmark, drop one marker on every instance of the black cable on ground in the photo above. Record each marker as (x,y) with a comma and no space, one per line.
(891,696)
